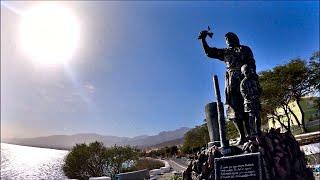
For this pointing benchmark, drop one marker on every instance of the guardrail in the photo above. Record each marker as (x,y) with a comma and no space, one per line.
(134,175)
(308,138)
(100,178)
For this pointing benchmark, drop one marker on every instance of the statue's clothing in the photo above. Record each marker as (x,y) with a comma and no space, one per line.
(234,57)
(251,90)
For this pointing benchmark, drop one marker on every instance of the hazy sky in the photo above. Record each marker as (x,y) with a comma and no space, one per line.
(139,68)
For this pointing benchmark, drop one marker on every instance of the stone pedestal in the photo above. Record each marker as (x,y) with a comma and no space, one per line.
(212,124)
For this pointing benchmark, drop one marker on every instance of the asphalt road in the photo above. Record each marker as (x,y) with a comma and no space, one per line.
(177,165)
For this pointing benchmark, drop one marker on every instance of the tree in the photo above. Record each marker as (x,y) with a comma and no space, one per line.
(314,71)
(164,152)
(174,150)
(195,138)
(297,74)
(94,160)
(171,151)
(288,83)
(314,74)
(274,95)
(84,161)
(117,156)
(198,137)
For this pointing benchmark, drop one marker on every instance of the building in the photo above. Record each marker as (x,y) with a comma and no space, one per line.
(311,111)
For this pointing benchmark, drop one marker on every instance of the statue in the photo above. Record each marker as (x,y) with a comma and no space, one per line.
(251,91)
(187,174)
(235,56)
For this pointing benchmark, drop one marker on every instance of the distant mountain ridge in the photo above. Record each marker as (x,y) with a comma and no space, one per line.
(68,141)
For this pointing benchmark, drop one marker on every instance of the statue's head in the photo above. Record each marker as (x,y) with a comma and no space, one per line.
(232,39)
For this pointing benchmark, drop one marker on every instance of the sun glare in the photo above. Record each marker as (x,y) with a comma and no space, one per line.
(49,34)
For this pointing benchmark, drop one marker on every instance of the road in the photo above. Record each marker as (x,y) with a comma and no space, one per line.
(177,165)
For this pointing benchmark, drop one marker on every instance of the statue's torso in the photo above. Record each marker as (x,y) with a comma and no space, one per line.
(250,90)
(235,58)
(250,87)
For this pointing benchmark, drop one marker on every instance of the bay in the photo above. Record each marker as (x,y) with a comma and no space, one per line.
(24,162)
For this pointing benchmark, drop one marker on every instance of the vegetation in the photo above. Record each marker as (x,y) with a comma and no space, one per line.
(119,156)
(94,160)
(145,163)
(84,161)
(314,74)
(313,158)
(314,71)
(163,152)
(176,177)
(195,138)
(232,132)
(198,137)
(288,83)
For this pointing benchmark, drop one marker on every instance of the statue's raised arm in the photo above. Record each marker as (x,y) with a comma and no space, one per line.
(211,52)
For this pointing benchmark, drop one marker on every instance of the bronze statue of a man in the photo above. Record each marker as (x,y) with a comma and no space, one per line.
(235,56)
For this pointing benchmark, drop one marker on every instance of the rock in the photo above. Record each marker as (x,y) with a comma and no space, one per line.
(282,158)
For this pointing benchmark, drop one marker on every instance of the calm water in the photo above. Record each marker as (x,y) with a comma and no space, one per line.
(23,162)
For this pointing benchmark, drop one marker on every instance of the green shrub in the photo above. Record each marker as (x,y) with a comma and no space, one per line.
(176,177)
(118,156)
(163,152)
(94,160)
(85,161)
(232,132)
(145,163)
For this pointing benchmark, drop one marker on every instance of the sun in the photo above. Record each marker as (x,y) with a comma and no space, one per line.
(49,34)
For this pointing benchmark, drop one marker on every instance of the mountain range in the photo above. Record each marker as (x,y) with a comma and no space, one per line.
(68,141)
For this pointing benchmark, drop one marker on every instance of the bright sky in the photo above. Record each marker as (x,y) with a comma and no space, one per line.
(139,68)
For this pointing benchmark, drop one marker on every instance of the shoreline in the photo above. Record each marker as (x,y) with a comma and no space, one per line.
(42,147)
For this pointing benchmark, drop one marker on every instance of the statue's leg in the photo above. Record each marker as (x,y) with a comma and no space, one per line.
(252,124)
(239,125)
(258,124)
(246,123)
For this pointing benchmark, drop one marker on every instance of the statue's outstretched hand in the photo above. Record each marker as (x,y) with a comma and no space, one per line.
(203,34)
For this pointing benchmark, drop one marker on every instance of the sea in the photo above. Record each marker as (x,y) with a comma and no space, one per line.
(25,162)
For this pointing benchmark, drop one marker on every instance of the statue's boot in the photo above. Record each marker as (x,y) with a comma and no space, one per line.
(239,125)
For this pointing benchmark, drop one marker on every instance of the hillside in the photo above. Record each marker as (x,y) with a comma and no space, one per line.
(68,141)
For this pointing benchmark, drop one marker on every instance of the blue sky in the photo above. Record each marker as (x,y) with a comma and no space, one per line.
(140,68)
